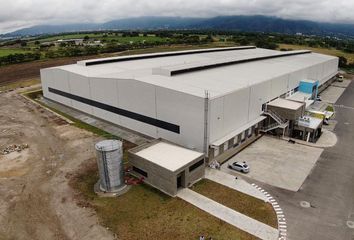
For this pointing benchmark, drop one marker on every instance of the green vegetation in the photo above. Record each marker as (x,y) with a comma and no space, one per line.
(46,47)
(96,43)
(238,201)
(145,213)
(7,51)
(330,108)
(329,51)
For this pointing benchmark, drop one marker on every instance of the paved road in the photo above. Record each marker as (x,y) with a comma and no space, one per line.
(329,188)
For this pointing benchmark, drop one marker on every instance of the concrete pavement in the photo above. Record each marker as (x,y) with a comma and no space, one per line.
(277,162)
(229,215)
(334,91)
(329,188)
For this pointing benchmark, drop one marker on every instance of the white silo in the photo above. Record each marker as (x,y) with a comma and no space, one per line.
(110,165)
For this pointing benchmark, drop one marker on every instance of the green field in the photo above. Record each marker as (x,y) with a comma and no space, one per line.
(245,204)
(7,51)
(328,51)
(145,213)
(107,37)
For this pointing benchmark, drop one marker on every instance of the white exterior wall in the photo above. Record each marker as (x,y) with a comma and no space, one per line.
(178,108)
(185,110)
(106,91)
(139,98)
(232,111)
(260,94)
(228,112)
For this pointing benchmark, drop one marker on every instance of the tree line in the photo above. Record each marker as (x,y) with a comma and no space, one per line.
(19,58)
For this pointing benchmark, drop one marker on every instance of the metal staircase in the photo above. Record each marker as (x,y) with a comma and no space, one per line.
(279,121)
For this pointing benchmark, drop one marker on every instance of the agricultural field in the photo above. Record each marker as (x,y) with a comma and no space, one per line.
(328,51)
(105,37)
(8,51)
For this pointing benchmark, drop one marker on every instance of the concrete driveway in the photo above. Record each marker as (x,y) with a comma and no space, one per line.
(329,188)
(333,92)
(277,162)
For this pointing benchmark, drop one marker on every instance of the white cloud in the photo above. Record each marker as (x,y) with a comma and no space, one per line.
(16,14)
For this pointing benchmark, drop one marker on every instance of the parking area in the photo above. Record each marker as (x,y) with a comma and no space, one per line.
(277,162)
(333,92)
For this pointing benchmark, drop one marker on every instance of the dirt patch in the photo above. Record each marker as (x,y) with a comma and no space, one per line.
(13,164)
(33,183)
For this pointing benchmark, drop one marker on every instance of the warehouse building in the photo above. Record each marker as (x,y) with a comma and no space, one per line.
(213,101)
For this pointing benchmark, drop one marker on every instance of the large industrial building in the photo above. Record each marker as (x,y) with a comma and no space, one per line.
(213,101)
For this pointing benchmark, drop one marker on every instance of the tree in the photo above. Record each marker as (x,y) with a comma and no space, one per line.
(343,62)
(266,44)
(37,42)
(86,38)
(23,44)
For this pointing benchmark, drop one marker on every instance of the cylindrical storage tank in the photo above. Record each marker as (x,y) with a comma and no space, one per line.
(110,165)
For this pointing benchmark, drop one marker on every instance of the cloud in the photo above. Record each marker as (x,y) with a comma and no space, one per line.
(15,14)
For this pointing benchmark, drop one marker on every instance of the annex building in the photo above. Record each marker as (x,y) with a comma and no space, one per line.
(213,101)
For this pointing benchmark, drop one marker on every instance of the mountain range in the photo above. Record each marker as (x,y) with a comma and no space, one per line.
(224,23)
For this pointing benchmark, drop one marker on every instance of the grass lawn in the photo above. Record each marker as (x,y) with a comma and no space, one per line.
(330,108)
(7,51)
(238,201)
(145,213)
(328,51)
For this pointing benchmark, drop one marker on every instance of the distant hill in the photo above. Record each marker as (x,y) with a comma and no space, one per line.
(52,29)
(275,25)
(149,23)
(231,23)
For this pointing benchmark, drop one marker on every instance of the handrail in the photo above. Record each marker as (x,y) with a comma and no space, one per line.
(275,116)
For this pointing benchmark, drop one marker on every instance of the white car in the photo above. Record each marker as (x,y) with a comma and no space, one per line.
(239,166)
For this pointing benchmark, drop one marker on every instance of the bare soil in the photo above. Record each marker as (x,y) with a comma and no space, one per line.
(30,70)
(36,201)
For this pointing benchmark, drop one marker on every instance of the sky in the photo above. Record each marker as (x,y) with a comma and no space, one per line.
(16,14)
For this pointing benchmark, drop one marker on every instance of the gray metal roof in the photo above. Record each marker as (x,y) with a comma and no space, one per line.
(217,80)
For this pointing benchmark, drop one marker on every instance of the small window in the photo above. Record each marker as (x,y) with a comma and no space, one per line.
(243,137)
(196,165)
(141,172)
(250,132)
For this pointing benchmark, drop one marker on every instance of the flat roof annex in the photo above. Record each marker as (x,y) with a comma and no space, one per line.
(284,103)
(168,156)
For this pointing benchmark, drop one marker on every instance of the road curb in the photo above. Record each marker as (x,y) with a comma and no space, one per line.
(282,227)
